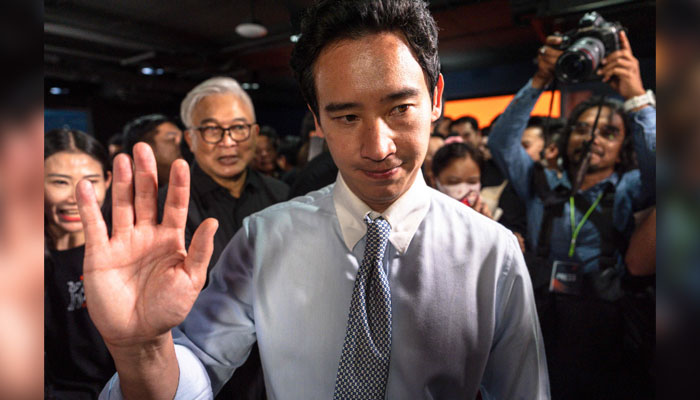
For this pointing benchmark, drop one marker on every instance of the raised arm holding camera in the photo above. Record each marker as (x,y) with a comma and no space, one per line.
(579,224)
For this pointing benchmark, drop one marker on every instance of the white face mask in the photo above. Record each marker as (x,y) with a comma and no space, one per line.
(459,191)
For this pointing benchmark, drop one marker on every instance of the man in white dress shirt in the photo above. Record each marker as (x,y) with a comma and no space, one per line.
(374,287)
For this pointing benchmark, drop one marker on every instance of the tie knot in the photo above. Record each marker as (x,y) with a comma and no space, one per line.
(377,229)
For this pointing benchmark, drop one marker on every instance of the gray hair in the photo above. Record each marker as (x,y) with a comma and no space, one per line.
(219,84)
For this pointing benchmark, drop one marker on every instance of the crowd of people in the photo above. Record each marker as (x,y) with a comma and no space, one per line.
(509,265)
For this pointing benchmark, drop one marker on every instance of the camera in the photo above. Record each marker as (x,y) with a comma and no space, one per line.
(585,47)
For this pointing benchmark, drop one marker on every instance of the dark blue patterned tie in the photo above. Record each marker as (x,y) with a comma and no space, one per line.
(364,364)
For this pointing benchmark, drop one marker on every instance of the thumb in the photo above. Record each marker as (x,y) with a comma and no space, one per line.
(201,248)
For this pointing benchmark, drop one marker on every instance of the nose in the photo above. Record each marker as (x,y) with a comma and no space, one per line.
(377,141)
(71,198)
(227,139)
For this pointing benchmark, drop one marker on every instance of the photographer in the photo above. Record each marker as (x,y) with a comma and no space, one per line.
(579,224)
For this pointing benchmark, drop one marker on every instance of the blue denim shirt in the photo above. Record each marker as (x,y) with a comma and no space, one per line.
(634,190)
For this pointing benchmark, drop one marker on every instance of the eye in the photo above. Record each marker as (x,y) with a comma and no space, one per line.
(209,129)
(59,182)
(237,127)
(609,132)
(400,109)
(347,119)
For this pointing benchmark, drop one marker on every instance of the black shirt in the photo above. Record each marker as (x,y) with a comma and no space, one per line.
(209,199)
(77,363)
(321,171)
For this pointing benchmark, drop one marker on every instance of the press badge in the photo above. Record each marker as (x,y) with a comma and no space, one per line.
(566,278)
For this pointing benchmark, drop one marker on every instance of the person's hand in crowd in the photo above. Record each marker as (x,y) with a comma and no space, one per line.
(547,57)
(481,207)
(142,282)
(621,70)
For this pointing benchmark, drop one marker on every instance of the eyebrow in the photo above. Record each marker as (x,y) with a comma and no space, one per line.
(398,95)
(70,177)
(335,107)
(207,120)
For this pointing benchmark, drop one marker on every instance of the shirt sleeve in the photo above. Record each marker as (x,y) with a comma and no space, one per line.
(517,366)
(505,140)
(193,383)
(644,137)
(220,328)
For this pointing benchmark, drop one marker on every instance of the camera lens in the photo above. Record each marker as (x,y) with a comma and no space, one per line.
(580,60)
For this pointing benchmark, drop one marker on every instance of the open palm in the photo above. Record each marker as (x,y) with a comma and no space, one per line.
(142,282)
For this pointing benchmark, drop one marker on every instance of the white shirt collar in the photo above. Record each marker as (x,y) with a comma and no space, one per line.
(404,215)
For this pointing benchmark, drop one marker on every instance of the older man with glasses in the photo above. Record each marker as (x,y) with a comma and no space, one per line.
(221,132)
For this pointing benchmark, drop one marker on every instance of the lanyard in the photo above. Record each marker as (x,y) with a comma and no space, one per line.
(574,234)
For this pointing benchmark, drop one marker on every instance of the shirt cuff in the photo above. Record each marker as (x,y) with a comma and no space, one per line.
(194,382)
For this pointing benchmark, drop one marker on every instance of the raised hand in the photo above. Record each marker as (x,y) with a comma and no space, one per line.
(547,57)
(142,282)
(621,70)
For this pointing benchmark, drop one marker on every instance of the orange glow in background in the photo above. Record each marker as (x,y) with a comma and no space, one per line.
(485,109)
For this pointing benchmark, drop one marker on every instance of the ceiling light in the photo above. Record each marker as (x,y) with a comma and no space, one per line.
(245,85)
(57,91)
(147,71)
(255,86)
(251,30)
(295,38)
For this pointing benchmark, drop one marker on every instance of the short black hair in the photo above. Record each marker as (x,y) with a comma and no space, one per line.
(73,140)
(328,21)
(140,130)
(270,133)
(453,151)
(627,156)
(466,119)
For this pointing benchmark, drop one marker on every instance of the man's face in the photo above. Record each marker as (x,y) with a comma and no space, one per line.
(375,113)
(468,133)
(265,155)
(228,158)
(533,142)
(605,150)
(166,143)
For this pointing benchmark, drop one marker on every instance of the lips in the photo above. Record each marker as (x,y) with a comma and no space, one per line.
(70,215)
(384,173)
(228,160)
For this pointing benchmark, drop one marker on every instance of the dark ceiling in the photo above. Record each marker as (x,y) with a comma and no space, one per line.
(101,46)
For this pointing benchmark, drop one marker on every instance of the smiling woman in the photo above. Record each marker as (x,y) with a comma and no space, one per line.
(70,156)
(77,363)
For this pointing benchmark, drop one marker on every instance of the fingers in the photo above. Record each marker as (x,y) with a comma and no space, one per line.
(91,216)
(201,248)
(145,184)
(175,211)
(122,196)
(553,40)
(624,42)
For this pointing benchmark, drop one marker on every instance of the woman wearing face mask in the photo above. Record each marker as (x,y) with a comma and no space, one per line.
(77,363)
(457,170)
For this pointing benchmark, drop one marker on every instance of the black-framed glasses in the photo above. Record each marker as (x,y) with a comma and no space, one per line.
(213,134)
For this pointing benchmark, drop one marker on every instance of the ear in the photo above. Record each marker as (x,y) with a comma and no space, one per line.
(319,130)
(188,138)
(437,99)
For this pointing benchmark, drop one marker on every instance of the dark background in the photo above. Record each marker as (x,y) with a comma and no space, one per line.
(94,51)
